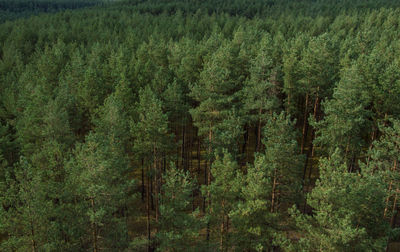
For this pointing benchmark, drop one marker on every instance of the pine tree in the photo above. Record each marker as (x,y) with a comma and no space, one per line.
(222,195)
(25,210)
(179,226)
(284,161)
(255,226)
(347,210)
(260,94)
(152,142)
(383,160)
(99,177)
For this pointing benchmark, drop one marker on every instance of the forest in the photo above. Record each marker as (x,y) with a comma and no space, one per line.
(188,125)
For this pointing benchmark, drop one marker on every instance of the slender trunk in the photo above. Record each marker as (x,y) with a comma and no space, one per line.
(210,137)
(205,183)
(198,156)
(390,189)
(221,241)
(347,148)
(189,151)
(183,160)
(94,227)
(151,193)
(148,213)
(246,134)
(304,131)
(370,146)
(142,180)
(33,238)
(273,192)
(259,135)
(394,209)
(156,182)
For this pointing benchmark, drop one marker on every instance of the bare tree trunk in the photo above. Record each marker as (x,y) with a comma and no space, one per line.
(198,155)
(33,238)
(370,146)
(394,209)
(312,137)
(245,138)
(183,148)
(210,137)
(221,241)
(259,135)
(156,182)
(304,131)
(142,191)
(94,228)
(148,214)
(390,188)
(273,192)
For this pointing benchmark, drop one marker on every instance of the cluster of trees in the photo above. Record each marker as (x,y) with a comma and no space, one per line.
(127,128)
(13,9)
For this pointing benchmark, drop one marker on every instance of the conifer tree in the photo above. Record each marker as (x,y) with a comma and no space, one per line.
(222,194)
(25,210)
(179,226)
(152,141)
(255,226)
(261,90)
(283,160)
(347,210)
(99,176)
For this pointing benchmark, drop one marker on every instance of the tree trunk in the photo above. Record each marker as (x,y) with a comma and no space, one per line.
(259,134)
(183,148)
(33,238)
(390,188)
(221,241)
(148,213)
(151,194)
(273,192)
(394,209)
(370,146)
(304,131)
(210,137)
(94,228)
(142,191)
(198,156)
(156,173)
(245,138)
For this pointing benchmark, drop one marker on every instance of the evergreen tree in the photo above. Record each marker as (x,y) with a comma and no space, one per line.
(283,160)
(222,194)
(347,210)
(261,91)
(179,227)
(25,210)
(99,176)
(255,226)
(152,142)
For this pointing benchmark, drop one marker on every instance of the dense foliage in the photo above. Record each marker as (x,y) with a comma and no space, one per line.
(185,125)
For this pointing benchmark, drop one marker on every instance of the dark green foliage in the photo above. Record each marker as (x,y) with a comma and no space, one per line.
(347,210)
(95,102)
(179,227)
(222,194)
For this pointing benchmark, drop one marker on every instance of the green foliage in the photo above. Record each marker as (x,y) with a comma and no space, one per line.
(347,210)
(179,226)
(94,99)
(223,194)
